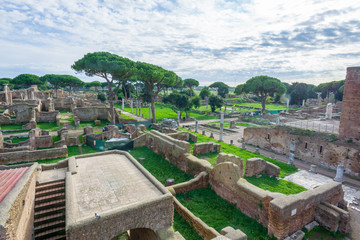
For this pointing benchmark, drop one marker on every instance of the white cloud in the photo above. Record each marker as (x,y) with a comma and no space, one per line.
(209,40)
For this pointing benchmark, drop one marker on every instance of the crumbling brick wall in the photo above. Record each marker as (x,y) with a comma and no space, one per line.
(316,148)
(209,147)
(255,166)
(288,214)
(184,136)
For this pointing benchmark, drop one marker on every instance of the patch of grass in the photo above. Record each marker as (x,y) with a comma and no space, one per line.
(158,166)
(182,226)
(17,140)
(92,123)
(11,126)
(164,111)
(218,213)
(273,185)
(286,169)
(48,126)
(320,233)
(56,138)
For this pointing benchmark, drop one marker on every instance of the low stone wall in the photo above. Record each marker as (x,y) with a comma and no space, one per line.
(177,152)
(45,141)
(332,218)
(200,227)
(17,145)
(255,166)
(225,179)
(287,214)
(209,147)
(6,150)
(22,156)
(46,116)
(18,207)
(200,181)
(315,148)
(281,214)
(184,136)
(112,132)
(92,113)
(224,157)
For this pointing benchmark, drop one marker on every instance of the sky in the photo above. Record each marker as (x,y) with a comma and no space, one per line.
(309,41)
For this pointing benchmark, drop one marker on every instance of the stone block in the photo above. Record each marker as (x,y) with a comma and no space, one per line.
(232,124)
(298,235)
(202,148)
(254,166)
(233,234)
(97,122)
(224,157)
(271,169)
(311,225)
(88,130)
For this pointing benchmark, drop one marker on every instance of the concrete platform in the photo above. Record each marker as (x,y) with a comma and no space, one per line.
(118,189)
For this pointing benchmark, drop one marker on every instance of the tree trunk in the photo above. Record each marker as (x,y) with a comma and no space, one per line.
(153,108)
(70,90)
(263,100)
(190,92)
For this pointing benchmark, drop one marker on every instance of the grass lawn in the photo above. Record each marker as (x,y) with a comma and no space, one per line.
(166,112)
(159,167)
(48,126)
(17,140)
(273,185)
(11,126)
(92,123)
(217,213)
(286,169)
(252,105)
(183,227)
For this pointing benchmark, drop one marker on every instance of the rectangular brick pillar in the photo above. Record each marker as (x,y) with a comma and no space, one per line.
(350,113)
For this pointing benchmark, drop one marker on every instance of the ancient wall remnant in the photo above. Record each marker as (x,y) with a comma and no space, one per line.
(224,157)
(209,147)
(17,208)
(255,166)
(317,148)
(350,115)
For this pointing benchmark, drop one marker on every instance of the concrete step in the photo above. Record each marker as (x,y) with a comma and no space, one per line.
(49,204)
(49,212)
(45,186)
(49,226)
(59,231)
(50,197)
(49,218)
(50,191)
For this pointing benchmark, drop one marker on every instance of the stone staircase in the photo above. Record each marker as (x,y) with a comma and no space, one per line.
(49,219)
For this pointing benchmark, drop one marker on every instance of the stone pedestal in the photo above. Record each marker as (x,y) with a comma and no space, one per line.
(122,104)
(339,173)
(291,159)
(203,132)
(196,125)
(211,135)
(257,150)
(169,182)
(313,168)
(131,105)
(232,125)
